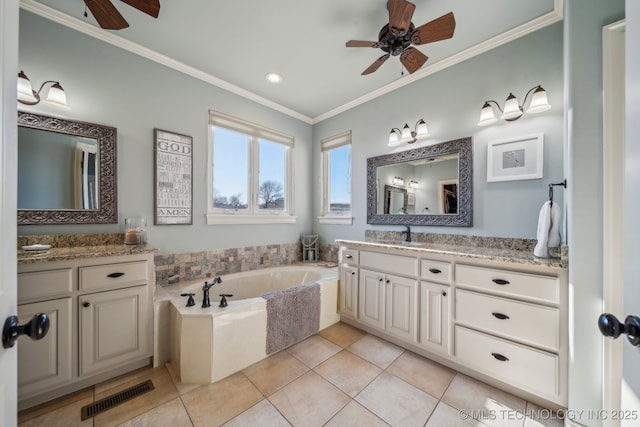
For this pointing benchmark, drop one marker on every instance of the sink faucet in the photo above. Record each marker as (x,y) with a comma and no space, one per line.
(408,233)
(205,289)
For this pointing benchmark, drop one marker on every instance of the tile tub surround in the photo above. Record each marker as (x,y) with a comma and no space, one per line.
(174,268)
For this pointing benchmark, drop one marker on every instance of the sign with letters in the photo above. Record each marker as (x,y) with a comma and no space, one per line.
(173,178)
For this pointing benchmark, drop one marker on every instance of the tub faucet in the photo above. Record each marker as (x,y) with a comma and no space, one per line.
(408,233)
(205,290)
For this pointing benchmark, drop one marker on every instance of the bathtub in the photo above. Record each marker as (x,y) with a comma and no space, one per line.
(208,344)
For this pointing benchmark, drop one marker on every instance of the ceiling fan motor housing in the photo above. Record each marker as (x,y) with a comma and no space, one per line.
(394,44)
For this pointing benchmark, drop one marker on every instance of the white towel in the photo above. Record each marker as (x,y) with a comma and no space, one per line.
(548,229)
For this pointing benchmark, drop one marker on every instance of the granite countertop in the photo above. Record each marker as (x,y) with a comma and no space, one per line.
(79,252)
(516,256)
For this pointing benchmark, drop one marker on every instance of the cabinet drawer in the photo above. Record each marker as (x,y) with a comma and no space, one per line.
(398,264)
(529,323)
(511,283)
(44,284)
(110,275)
(435,270)
(529,368)
(349,256)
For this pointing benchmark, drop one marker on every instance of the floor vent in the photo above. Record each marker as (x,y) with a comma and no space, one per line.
(115,399)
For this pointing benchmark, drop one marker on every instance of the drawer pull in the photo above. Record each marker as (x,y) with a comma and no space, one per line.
(435,271)
(500,281)
(500,316)
(115,275)
(500,357)
(348,256)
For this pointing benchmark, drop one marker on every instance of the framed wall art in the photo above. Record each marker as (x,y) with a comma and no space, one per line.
(173,178)
(515,158)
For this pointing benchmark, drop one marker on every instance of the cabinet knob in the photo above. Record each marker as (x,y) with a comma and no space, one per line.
(444,293)
(353,273)
(388,281)
(500,281)
(86,304)
(36,329)
(500,357)
(380,279)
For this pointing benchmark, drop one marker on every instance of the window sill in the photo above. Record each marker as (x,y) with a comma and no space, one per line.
(213,218)
(343,220)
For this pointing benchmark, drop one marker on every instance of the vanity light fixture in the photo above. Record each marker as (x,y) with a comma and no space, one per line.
(398,180)
(397,136)
(413,184)
(26,95)
(512,110)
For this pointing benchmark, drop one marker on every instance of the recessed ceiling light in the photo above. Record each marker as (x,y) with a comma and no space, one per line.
(274,78)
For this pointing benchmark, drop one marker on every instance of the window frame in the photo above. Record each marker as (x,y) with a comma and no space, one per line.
(326,145)
(253,214)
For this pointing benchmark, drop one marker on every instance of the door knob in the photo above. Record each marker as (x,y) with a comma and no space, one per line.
(36,329)
(610,326)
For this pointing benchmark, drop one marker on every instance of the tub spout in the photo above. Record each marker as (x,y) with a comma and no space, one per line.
(205,290)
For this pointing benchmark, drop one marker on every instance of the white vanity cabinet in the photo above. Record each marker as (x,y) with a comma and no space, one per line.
(100,312)
(510,325)
(503,321)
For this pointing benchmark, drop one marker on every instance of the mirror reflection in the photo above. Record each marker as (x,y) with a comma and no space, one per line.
(56,171)
(429,185)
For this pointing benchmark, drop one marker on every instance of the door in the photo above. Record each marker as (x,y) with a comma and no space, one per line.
(371,298)
(9,17)
(621,378)
(401,300)
(349,291)
(434,316)
(114,328)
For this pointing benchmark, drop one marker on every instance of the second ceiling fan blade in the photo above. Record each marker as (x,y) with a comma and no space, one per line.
(363,43)
(150,7)
(400,14)
(106,14)
(376,64)
(439,29)
(412,59)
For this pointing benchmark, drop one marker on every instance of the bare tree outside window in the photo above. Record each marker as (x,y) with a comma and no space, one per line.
(271,194)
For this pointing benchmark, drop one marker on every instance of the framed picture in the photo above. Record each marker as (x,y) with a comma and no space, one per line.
(173,177)
(515,158)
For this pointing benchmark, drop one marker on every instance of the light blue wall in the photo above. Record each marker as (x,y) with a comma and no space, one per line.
(450,102)
(109,86)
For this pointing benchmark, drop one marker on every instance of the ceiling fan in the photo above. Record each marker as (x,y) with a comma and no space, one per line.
(399,34)
(108,16)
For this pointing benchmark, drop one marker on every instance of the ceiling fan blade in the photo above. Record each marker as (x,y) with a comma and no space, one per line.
(439,29)
(412,59)
(400,14)
(363,43)
(106,14)
(376,64)
(150,7)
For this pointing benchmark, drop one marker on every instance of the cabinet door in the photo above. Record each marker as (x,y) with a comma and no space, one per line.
(46,363)
(434,316)
(401,302)
(349,291)
(371,298)
(114,328)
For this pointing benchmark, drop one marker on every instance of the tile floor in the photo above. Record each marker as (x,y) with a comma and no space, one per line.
(339,377)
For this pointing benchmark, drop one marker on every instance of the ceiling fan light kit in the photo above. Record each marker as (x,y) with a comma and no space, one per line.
(108,16)
(396,37)
(512,109)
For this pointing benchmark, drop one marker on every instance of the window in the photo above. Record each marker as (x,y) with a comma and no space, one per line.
(250,173)
(336,181)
